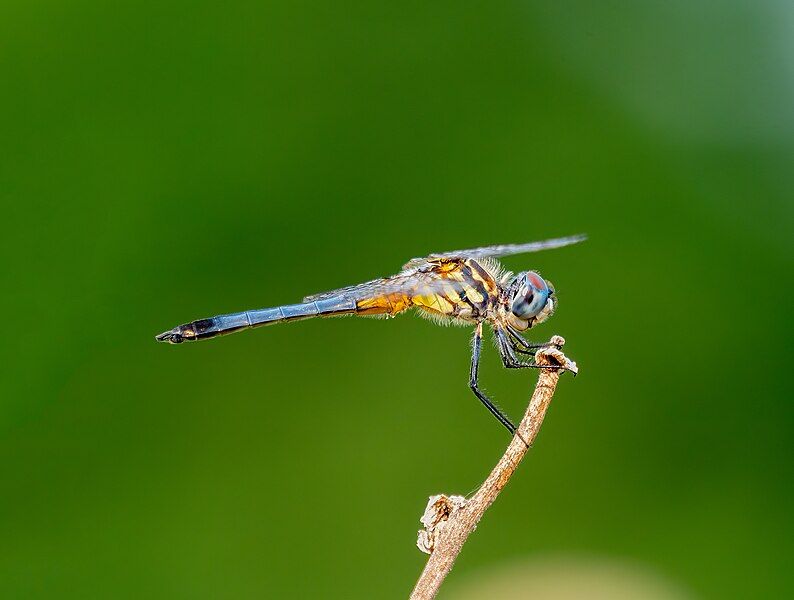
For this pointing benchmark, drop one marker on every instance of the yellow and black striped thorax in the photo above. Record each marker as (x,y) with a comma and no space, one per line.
(463,289)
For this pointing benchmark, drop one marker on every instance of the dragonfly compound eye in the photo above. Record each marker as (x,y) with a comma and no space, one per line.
(531,296)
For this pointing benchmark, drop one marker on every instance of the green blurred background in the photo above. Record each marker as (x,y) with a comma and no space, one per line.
(161,162)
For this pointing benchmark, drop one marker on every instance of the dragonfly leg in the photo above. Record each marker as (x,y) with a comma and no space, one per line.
(521,345)
(508,354)
(474,382)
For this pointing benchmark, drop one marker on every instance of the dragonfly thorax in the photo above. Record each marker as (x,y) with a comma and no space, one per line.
(532,299)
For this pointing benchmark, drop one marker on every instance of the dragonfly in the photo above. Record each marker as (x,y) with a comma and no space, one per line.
(462,287)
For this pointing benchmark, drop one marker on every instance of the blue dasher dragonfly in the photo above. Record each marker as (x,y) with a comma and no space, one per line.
(464,287)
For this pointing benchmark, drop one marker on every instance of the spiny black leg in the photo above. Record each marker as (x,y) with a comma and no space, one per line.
(525,346)
(527,352)
(509,359)
(519,344)
(473,382)
(518,340)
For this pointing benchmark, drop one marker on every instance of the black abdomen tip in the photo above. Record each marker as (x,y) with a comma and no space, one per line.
(173,336)
(197,330)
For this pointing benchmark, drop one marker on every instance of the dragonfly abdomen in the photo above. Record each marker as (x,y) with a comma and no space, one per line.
(203,329)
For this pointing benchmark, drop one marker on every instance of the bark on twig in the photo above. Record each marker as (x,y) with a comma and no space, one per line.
(449,520)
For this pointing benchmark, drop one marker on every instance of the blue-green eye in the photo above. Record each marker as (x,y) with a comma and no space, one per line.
(531,296)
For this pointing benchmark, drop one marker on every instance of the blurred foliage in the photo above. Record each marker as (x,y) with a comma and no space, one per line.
(161,162)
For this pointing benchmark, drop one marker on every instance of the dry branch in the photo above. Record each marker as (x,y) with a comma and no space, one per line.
(449,520)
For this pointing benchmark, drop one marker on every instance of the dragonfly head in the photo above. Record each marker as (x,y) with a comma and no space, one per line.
(533,300)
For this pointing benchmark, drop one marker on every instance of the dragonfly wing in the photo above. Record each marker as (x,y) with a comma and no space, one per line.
(501,250)
(411,282)
(352,291)
(450,287)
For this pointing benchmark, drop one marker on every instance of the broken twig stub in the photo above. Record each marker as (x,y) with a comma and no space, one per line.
(439,508)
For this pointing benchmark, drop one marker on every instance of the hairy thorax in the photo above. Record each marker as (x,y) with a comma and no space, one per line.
(470,293)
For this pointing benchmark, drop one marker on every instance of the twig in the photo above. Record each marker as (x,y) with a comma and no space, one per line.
(449,520)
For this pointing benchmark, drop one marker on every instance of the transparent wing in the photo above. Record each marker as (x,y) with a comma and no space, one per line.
(502,250)
(413,283)
(353,291)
